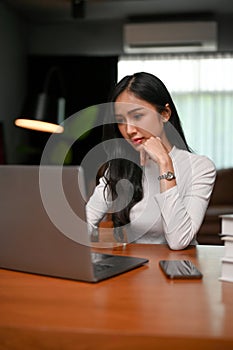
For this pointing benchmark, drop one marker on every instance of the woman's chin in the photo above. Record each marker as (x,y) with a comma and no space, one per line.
(136,146)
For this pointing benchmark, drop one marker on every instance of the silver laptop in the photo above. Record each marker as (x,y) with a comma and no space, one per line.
(40,235)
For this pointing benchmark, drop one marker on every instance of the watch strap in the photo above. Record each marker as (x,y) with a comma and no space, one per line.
(167,176)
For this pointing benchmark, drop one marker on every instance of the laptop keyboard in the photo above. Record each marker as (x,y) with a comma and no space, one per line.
(101,267)
(99,262)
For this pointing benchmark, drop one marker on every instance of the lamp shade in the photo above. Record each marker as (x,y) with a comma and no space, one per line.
(48,112)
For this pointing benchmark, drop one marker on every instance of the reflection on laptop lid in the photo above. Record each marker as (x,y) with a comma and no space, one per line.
(38,235)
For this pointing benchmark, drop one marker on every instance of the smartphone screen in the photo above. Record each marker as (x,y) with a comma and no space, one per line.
(180,269)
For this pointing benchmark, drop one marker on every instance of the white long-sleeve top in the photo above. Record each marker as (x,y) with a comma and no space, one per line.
(174,216)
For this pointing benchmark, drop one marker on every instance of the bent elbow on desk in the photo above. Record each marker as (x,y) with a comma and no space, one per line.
(177,246)
(181,238)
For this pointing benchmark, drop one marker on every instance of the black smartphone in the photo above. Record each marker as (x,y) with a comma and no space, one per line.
(180,269)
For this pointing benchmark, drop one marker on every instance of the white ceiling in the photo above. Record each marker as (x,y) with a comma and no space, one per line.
(61,10)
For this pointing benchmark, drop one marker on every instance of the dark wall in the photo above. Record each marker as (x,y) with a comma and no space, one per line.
(87,81)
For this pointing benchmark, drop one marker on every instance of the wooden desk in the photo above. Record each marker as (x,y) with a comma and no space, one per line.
(140,309)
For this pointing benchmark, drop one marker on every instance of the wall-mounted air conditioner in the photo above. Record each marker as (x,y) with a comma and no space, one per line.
(195,36)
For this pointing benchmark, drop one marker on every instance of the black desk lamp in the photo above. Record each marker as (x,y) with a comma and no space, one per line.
(42,114)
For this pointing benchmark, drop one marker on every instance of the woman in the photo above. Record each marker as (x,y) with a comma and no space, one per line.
(164,198)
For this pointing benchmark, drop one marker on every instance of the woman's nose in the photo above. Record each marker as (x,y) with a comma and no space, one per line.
(130,129)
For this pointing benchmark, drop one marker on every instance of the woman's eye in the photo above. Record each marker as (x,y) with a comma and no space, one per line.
(120,120)
(137,116)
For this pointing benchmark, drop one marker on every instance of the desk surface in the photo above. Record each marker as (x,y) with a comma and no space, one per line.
(136,310)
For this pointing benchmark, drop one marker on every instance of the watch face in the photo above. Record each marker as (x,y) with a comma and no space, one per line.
(170,175)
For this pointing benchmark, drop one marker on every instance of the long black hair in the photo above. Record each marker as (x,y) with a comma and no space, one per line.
(147,87)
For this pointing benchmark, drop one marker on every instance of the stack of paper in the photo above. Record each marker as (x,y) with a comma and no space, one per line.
(227,237)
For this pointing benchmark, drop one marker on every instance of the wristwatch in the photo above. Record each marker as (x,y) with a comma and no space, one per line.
(167,176)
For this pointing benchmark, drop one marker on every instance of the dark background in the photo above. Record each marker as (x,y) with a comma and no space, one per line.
(87,81)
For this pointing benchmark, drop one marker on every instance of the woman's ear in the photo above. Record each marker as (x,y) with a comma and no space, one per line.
(166,113)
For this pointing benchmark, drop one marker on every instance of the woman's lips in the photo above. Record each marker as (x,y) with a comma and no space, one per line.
(137,141)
